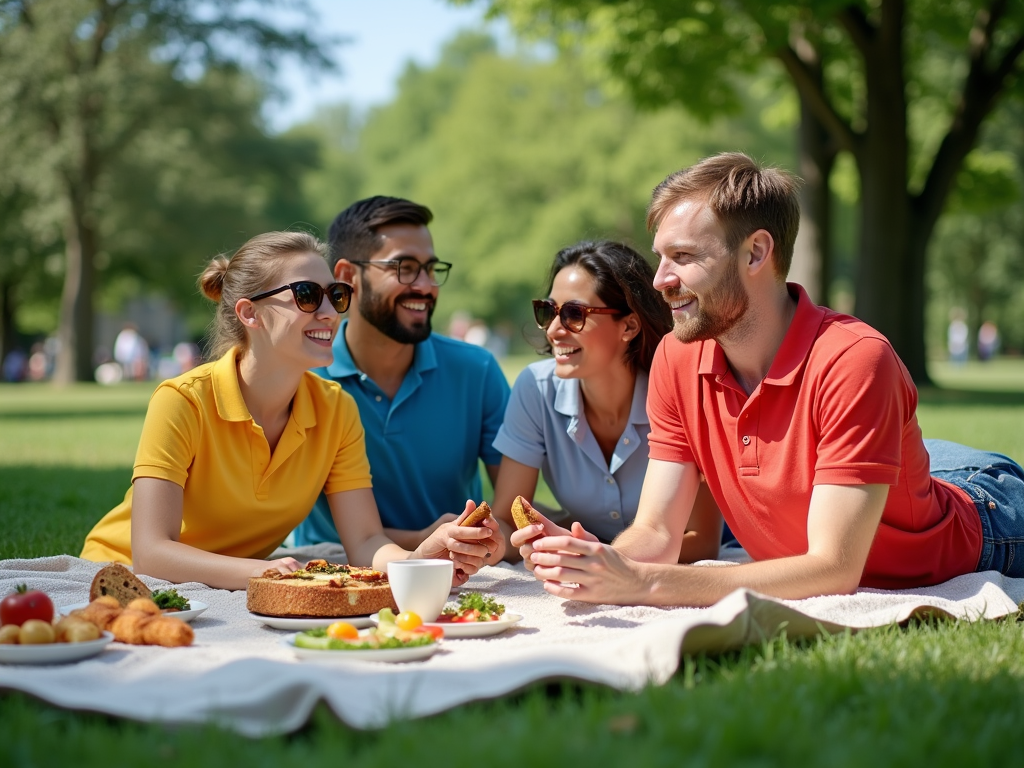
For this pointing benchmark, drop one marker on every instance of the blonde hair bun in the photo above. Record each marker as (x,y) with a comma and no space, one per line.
(211,282)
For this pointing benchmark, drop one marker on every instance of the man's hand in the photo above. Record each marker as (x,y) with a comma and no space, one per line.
(469,548)
(524,537)
(580,569)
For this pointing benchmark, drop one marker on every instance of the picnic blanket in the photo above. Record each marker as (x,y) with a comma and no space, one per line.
(238,673)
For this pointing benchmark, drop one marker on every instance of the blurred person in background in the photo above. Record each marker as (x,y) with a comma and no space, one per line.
(234,452)
(988,341)
(430,405)
(131,351)
(580,417)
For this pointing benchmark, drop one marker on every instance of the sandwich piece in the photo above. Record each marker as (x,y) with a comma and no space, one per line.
(321,589)
(118,582)
(477,516)
(523,513)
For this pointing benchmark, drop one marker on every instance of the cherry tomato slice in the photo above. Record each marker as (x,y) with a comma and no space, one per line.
(426,629)
(408,620)
(342,630)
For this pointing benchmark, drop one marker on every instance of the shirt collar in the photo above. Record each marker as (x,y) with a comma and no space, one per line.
(424,356)
(568,401)
(795,347)
(226,391)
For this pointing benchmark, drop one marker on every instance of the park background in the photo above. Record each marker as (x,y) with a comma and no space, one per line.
(138,138)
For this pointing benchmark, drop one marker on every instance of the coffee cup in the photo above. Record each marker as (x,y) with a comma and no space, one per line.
(421,586)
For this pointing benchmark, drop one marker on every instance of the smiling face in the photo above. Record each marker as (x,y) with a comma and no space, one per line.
(604,338)
(697,275)
(401,312)
(301,338)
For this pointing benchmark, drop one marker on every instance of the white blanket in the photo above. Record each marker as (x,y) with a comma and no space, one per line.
(238,674)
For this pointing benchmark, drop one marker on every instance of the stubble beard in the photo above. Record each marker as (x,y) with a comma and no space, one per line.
(718,312)
(375,310)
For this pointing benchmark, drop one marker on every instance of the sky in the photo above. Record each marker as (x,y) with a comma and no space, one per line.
(382,36)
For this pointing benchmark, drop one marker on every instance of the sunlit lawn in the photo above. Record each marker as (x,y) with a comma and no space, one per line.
(946,694)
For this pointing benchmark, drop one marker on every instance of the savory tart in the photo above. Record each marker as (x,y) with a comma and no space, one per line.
(318,590)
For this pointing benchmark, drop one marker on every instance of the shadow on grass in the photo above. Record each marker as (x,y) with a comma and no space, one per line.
(968,397)
(49,510)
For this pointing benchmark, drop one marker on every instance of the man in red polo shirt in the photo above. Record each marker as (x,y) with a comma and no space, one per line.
(802,420)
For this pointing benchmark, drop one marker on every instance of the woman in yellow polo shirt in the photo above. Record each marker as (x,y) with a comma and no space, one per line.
(235,452)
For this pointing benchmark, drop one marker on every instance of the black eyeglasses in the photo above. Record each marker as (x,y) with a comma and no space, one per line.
(572,314)
(408,269)
(309,295)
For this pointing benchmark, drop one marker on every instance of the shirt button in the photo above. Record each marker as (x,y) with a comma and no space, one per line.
(746,438)
(609,480)
(378,398)
(614,514)
(625,441)
(991,505)
(363,377)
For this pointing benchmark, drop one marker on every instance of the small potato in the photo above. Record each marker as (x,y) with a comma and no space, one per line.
(82,632)
(36,632)
(66,625)
(9,634)
(145,605)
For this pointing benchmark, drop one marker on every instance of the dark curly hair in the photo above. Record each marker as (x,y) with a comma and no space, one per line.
(353,233)
(625,281)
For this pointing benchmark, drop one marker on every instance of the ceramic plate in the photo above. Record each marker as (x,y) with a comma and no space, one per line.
(474,629)
(53,653)
(186,616)
(298,625)
(415,653)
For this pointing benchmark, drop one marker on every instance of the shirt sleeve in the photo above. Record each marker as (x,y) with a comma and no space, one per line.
(521,436)
(667,441)
(863,403)
(169,437)
(351,468)
(495,399)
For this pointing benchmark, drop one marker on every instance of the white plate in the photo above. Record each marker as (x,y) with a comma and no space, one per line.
(186,616)
(473,629)
(415,653)
(53,653)
(298,625)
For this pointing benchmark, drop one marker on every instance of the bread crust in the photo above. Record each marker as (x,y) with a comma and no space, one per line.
(523,514)
(297,596)
(118,582)
(477,516)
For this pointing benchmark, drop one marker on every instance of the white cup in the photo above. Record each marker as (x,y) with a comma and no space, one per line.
(421,586)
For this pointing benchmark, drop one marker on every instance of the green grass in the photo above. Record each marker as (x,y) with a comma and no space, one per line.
(933,694)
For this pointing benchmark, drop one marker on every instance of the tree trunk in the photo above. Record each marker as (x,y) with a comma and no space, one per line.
(75,327)
(8,331)
(812,264)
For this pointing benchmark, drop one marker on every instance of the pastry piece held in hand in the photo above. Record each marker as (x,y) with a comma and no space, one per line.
(523,513)
(477,516)
(118,582)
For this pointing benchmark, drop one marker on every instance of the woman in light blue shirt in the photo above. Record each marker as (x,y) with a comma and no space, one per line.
(580,417)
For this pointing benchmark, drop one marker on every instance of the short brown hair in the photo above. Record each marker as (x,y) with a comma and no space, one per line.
(353,233)
(744,197)
(251,270)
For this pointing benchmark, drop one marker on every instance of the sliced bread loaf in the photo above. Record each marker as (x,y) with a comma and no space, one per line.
(118,582)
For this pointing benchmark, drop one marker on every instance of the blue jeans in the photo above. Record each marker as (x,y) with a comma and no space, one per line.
(995,484)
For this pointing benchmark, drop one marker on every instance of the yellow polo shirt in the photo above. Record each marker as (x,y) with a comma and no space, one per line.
(240,500)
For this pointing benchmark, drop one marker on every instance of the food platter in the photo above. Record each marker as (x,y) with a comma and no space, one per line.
(312,622)
(391,655)
(462,630)
(53,653)
(186,616)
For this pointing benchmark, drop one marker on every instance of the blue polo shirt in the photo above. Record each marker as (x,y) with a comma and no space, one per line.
(546,428)
(425,445)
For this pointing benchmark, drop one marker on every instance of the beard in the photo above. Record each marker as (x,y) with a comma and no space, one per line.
(718,312)
(375,310)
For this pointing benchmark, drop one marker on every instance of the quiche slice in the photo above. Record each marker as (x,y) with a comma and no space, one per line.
(321,589)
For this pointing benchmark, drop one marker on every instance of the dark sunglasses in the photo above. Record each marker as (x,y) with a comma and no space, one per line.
(309,295)
(572,314)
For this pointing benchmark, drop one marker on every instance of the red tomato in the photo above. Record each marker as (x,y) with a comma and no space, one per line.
(20,606)
(467,617)
(436,632)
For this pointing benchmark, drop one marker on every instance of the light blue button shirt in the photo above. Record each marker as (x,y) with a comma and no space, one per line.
(545,427)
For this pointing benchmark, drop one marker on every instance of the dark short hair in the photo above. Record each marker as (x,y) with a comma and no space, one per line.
(624,280)
(744,197)
(353,233)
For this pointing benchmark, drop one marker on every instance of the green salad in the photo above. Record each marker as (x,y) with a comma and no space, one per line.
(170,600)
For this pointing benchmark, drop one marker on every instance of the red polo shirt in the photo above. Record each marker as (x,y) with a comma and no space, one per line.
(836,408)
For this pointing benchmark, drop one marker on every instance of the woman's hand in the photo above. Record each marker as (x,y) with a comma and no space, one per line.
(469,548)
(282,565)
(524,537)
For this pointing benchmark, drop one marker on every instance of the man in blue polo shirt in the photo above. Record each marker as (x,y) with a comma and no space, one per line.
(430,406)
